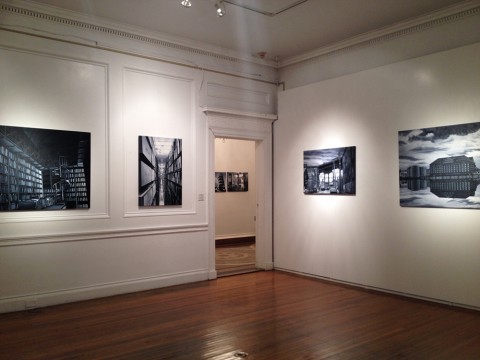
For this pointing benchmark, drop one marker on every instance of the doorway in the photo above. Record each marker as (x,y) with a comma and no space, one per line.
(257,128)
(235,206)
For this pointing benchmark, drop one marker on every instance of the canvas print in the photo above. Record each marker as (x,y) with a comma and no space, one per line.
(43,169)
(329,171)
(159,171)
(220,178)
(237,181)
(439,166)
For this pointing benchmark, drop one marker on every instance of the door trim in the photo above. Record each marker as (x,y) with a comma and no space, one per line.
(246,126)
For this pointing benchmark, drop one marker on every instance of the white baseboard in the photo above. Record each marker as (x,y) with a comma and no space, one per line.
(380,290)
(212,275)
(33,301)
(234,236)
(265,266)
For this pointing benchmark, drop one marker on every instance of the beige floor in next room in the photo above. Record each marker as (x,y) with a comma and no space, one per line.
(232,259)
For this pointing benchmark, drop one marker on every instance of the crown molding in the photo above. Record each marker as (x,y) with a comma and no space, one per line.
(421,23)
(103,27)
(100,26)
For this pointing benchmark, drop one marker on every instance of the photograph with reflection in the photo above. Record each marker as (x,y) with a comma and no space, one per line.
(440,166)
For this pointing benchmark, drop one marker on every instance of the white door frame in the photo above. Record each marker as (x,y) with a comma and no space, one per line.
(245,126)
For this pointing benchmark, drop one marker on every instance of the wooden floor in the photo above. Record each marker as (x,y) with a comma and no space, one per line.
(269,315)
(235,259)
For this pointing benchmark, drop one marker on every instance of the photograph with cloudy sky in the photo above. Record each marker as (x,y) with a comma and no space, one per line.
(440,166)
(329,171)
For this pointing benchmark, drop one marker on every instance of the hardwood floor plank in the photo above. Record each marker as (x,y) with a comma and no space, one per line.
(270,315)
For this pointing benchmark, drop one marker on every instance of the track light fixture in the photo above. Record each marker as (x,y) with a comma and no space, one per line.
(220,8)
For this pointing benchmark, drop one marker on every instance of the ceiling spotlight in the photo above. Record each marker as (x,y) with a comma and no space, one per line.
(186,3)
(220,6)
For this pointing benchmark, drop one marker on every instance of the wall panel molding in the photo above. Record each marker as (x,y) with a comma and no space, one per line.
(160,105)
(101,235)
(47,110)
(225,92)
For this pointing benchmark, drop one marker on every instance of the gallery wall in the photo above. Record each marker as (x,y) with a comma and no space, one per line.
(235,211)
(115,246)
(368,239)
(438,31)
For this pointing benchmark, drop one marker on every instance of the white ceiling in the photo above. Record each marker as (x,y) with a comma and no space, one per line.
(280,28)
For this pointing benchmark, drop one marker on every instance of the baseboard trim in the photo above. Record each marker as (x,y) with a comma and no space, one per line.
(241,240)
(265,266)
(39,300)
(212,274)
(378,290)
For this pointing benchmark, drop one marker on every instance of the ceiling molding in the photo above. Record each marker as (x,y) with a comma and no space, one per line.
(265,12)
(111,31)
(437,18)
(104,27)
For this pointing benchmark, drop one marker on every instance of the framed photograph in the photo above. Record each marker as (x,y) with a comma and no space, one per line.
(329,171)
(220,178)
(439,166)
(159,171)
(43,169)
(237,181)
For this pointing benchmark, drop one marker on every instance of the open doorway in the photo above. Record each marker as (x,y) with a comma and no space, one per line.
(235,206)
(257,128)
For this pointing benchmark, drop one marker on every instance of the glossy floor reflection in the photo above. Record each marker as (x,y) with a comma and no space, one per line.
(267,314)
(235,259)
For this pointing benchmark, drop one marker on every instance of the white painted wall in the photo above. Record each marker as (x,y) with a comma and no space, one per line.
(114,247)
(235,211)
(406,40)
(368,239)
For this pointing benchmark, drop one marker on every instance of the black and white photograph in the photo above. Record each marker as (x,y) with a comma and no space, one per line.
(44,169)
(159,171)
(220,178)
(440,166)
(237,181)
(329,171)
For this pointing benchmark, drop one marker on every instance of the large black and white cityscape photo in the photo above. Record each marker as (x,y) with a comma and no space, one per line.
(43,169)
(440,166)
(159,171)
(329,171)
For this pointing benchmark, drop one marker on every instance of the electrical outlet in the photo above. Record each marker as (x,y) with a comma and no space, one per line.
(201,197)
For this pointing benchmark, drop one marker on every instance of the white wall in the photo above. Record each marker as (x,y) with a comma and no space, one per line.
(439,31)
(235,211)
(368,239)
(114,247)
